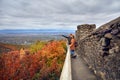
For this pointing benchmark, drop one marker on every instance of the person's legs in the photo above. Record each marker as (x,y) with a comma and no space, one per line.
(72,54)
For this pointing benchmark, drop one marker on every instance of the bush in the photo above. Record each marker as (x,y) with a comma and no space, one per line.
(37,46)
(45,64)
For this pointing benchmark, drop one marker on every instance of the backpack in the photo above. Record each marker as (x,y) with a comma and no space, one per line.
(76,44)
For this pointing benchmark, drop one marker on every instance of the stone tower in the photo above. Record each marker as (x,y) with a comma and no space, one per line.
(84,30)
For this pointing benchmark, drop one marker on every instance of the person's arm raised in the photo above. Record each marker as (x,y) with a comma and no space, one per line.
(64,36)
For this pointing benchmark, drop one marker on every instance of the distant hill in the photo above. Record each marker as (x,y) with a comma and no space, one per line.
(35,31)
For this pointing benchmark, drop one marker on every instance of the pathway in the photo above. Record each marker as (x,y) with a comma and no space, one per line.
(80,70)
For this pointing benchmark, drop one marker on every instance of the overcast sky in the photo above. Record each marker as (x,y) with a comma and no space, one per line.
(56,14)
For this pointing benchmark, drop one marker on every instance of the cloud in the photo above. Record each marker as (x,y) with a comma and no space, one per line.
(56,14)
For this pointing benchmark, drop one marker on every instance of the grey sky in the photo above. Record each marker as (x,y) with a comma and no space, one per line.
(56,14)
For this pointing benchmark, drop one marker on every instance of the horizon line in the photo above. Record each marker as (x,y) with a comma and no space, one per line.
(37,29)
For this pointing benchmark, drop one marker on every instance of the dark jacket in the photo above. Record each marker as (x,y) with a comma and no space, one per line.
(68,38)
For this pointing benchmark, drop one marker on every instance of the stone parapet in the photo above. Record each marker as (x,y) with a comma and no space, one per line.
(90,49)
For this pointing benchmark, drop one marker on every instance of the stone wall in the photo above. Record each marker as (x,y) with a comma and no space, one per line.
(89,48)
(84,30)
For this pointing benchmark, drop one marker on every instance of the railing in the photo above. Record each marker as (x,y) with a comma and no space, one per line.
(66,71)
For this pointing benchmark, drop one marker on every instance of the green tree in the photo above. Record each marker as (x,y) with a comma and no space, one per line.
(38,45)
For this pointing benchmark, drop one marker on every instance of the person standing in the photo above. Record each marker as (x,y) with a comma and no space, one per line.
(72,47)
(68,38)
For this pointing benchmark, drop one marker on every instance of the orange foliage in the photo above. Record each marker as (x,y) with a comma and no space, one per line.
(46,64)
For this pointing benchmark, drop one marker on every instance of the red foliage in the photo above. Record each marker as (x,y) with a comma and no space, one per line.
(45,64)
